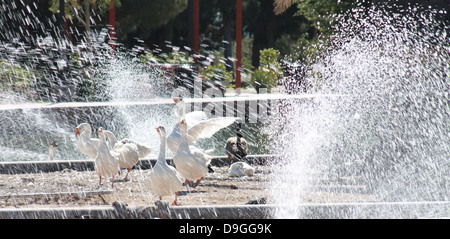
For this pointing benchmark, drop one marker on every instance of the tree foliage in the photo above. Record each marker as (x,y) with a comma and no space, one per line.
(321,13)
(73,8)
(142,17)
(81,10)
(269,71)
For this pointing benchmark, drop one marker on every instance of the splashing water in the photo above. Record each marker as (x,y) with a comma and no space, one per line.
(391,125)
(388,123)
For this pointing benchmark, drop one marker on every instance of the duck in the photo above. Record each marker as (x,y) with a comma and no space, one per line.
(198,125)
(164,179)
(87,145)
(190,166)
(106,161)
(239,169)
(236,147)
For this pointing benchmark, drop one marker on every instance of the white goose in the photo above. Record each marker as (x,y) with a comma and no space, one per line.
(190,166)
(143,150)
(128,156)
(87,145)
(110,139)
(164,179)
(239,169)
(129,151)
(106,161)
(198,126)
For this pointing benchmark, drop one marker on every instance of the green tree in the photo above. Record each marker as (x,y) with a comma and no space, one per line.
(320,15)
(81,10)
(269,71)
(139,18)
(276,31)
(16,78)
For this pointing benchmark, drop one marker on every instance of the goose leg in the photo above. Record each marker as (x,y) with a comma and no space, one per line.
(196,183)
(126,176)
(175,201)
(187,185)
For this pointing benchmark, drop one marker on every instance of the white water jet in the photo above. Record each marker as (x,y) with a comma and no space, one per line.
(392,126)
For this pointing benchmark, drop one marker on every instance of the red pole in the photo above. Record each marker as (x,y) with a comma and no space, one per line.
(112,23)
(196,31)
(238,45)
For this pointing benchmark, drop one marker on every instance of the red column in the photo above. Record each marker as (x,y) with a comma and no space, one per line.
(112,23)
(196,31)
(238,45)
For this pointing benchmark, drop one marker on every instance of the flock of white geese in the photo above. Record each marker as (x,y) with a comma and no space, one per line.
(191,163)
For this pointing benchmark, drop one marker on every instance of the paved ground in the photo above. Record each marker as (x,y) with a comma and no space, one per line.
(218,188)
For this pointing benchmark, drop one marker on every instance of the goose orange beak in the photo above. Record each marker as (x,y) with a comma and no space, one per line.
(77,132)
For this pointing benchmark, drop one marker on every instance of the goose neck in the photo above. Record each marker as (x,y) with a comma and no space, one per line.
(162,150)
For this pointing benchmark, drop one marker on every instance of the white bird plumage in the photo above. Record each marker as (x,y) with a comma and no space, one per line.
(198,126)
(164,179)
(128,156)
(87,145)
(239,169)
(106,161)
(143,149)
(129,151)
(191,166)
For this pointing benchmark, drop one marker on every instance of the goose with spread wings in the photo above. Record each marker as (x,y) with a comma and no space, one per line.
(198,125)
